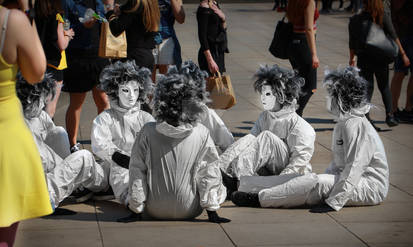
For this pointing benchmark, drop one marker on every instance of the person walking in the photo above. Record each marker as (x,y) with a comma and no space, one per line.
(84,65)
(303,53)
(55,39)
(23,189)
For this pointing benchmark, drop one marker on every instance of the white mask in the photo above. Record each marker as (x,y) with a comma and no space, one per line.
(268,99)
(128,94)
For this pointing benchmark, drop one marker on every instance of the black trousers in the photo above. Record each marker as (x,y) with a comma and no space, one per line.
(369,68)
(301,60)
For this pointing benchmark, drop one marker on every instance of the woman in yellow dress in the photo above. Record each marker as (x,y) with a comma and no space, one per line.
(23,191)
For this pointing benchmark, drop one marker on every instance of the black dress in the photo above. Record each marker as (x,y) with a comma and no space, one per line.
(212,36)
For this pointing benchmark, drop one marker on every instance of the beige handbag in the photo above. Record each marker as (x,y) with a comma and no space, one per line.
(111,46)
(221,92)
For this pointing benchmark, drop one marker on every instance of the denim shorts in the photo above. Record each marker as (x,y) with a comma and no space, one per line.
(407,44)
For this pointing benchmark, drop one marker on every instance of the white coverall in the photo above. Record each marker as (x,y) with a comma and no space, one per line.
(220,134)
(172,172)
(280,143)
(115,129)
(63,176)
(358,174)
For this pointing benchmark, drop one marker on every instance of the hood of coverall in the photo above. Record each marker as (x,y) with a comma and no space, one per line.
(180,131)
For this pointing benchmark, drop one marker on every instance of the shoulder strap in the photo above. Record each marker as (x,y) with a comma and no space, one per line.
(3,30)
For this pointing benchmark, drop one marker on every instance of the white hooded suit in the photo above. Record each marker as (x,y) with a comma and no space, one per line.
(64,174)
(280,143)
(172,174)
(113,130)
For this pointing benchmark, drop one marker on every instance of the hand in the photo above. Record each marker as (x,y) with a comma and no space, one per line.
(90,23)
(352,62)
(212,66)
(70,33)
(133,217)
(406,60)
(217,11)
(315,61)
(322,209)
(214,217)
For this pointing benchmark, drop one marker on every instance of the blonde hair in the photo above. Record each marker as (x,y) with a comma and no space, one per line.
(151,13)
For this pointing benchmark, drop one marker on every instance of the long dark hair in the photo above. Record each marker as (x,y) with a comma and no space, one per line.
(151,13)
(375,8)
(45,8)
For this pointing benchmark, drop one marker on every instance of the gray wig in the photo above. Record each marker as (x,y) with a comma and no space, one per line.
(30,95)
(347,88)
(180,94)
(120,73)
(286,84)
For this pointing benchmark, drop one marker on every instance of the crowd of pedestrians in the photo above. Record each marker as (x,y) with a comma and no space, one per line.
(162,151)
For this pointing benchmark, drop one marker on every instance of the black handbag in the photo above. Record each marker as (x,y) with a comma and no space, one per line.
(379,45)
(281,39)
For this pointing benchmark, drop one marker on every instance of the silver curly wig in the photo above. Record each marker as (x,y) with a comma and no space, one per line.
(120,73)
(30,95)
(180,94)
(347,88)
(286,84)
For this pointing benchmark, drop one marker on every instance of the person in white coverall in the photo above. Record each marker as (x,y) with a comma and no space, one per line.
(115,129)
(64,172)
(281,142)
(220,134)
(358,174)
(172,174)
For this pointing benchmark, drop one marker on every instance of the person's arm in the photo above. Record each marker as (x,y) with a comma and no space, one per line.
(309,32)
(352,40)
(30,55)
(358,152)
(178,11)
(301,145)
(63,36)
(120,23)
(101,137)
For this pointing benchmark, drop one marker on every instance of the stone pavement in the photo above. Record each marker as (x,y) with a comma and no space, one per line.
(251,27)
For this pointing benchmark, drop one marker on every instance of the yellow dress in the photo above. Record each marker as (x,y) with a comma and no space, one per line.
(23,190)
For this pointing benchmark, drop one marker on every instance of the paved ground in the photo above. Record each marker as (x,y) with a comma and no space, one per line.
(251,28)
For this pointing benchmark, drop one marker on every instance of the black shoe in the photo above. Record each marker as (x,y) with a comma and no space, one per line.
(104,195)
(63,211)
(245,199)
(229,182)
(404,116)
(391,121)
(81,195)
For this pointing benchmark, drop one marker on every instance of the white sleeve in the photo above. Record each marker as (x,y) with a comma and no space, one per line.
(101,137)
(301,145)
(220,134)
(208,178)
(138,187)
(358,152)
(257,128)
(47,121)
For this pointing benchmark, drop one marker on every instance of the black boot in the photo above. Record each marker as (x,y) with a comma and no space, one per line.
(230,183)
(214,217)
(245,199)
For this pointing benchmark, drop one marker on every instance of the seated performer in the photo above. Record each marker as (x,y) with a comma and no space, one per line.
(172,174)
(64,173)
(281,142)
(220,134)
(358,174)
(114,130)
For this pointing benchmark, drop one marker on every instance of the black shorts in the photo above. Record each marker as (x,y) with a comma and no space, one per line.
(82,73)
(57,75)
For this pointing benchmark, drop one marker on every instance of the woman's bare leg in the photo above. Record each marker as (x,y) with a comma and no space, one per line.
(101,99)
(51,106)
(73,116)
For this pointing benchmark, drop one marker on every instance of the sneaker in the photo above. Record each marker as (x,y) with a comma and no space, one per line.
(104,195)
(81,195)
(75,148)
(404,116)
(245,199)
(391,121)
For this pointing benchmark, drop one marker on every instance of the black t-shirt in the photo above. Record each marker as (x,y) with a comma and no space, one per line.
(47,29)
(209,27)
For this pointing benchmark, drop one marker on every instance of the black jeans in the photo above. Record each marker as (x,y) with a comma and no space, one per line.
(301,60)
(370,68)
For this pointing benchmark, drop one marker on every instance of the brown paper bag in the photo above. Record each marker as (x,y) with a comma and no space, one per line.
(221,92)
(111,46)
